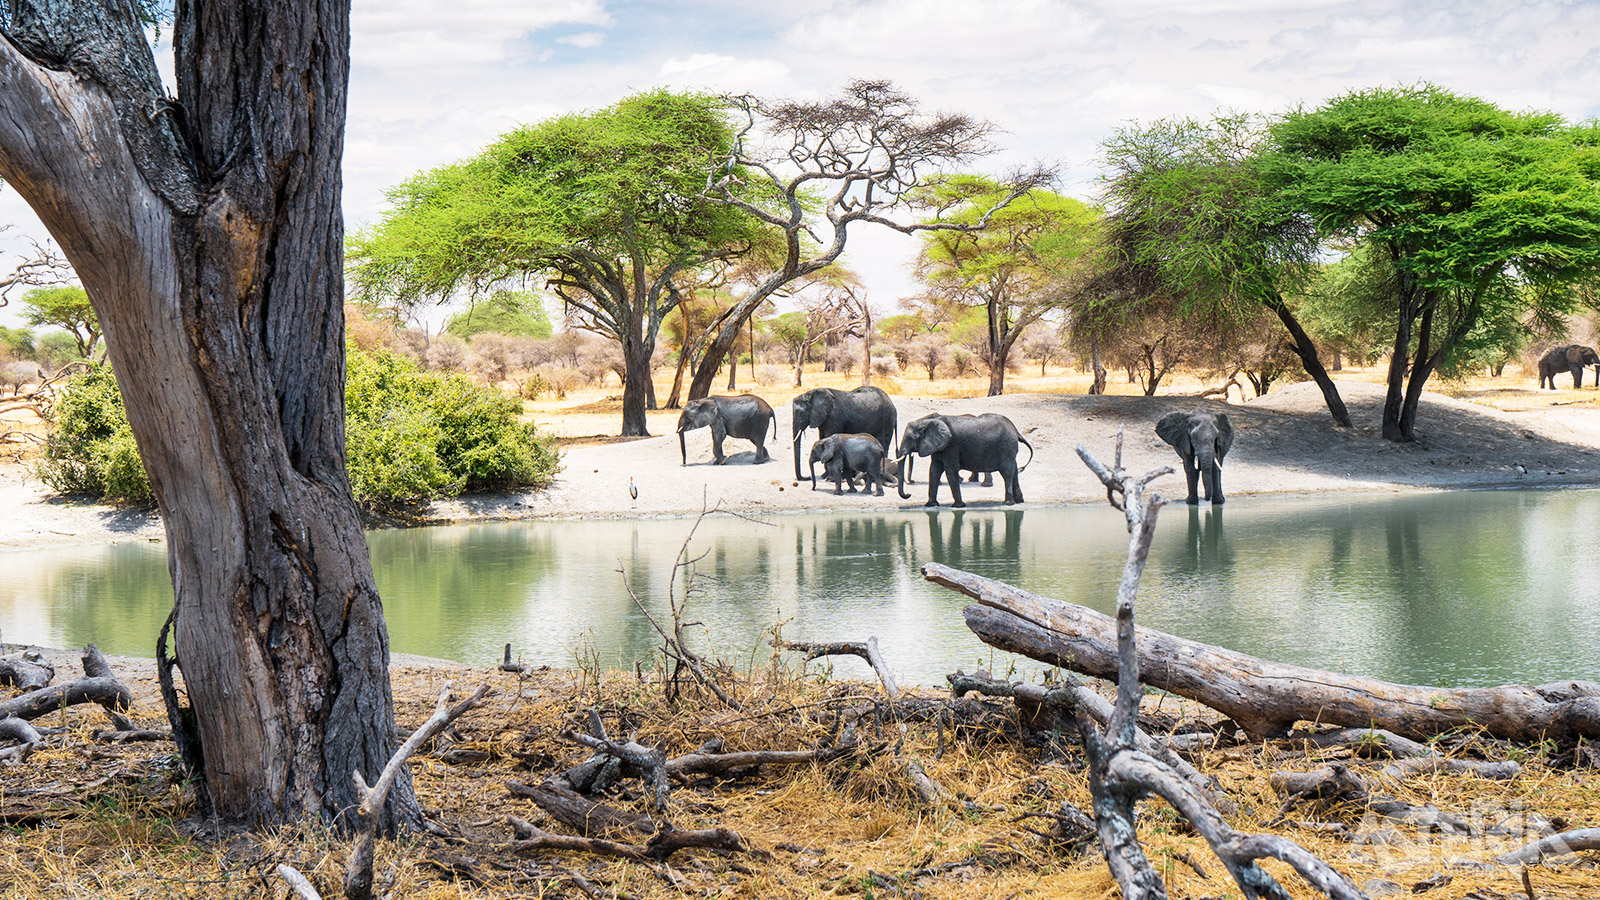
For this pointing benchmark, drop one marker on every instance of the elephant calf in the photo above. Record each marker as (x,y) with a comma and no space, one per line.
(844,456)
(1202,438)
(745,416)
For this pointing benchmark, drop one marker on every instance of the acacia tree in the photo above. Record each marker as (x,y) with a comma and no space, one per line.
(1460,201)
(829,309)
(604,205)
(206,229)
(66,307)
(1191,218)
(861,156)
(1006,268)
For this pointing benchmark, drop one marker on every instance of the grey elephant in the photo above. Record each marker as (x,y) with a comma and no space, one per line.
(982,443)
(1571,358)
(865,410)
(745,416)
(1202,438)
(844,456)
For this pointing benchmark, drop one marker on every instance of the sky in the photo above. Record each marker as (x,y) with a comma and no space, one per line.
(433,82)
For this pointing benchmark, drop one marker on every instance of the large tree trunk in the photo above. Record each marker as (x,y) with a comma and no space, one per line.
(213,257)
(1263,697)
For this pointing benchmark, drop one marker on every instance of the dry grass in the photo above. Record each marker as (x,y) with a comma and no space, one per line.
(117,822)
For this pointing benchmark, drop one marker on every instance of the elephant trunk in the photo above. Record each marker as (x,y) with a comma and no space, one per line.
(903,475)
(813,468)
(683,448)
(1209,465)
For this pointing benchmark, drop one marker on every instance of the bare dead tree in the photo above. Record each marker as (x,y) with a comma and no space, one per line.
(43,267)
(862,153)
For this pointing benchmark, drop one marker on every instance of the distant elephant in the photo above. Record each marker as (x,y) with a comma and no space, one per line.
(744,416)
(1571,358)
(982,443)
(1202,438)
(844,456)
(865,410)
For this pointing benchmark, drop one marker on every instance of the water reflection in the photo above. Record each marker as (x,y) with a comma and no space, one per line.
(1465,588)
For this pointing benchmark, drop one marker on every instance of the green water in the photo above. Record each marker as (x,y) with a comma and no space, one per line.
(1456,589)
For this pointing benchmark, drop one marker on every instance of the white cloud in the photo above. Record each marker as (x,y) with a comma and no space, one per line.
(583,39)
(405,33)
(715,72)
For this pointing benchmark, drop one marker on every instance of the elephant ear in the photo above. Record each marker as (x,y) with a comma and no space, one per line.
(1575,353)
(935,437)
(1224,435)
(821,408)
(1174,429)
(829,450)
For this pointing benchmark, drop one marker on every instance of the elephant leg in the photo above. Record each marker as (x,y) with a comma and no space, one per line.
(935,472)
(1214,485)
(1013,484)
(718,432)
(1577,376)
(1191,473)
(972,478)
(955,488)
(988,479)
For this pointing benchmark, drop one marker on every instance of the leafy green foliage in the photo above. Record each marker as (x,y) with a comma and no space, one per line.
(411,436)
(16,343)
(64,307)
(607,206)
(1483,214)
(503,312)
(91,448)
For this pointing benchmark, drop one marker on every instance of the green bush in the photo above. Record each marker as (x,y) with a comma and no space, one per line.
(91,448)
(410,436)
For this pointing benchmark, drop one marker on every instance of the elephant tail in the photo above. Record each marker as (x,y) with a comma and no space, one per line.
(1030,453)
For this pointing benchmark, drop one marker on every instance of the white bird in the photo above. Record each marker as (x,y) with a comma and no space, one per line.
(1520,469)
(633,489)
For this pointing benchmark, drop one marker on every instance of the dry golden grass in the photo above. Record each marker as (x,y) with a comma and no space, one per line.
(116,821)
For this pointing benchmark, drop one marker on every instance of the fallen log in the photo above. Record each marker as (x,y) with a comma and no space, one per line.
(26,671)
(1553,847)
(579,813)
(662,845)
(1265,698)
(100,686)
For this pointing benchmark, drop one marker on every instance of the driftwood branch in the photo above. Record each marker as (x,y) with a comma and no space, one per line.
(1264,697)
(1556,845)
(26,671)
(579,813)
(662,845)
(298,883)
(358,873)
(100,686)
(1412,757)
(867,650)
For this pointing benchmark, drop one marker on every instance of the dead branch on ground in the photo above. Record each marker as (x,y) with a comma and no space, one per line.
(26,671)
(100,686)
(867,650)
(1265,698)
(358,873)
(660,846)
(1553,847)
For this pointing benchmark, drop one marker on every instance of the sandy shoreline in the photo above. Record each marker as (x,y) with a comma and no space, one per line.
(1285,444)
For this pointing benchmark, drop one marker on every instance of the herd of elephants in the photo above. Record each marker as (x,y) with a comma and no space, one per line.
(856,429)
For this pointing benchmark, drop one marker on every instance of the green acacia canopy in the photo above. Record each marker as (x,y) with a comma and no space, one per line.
(1457,189)
(583,198)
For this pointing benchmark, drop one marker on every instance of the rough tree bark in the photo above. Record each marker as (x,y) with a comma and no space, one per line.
(207,231)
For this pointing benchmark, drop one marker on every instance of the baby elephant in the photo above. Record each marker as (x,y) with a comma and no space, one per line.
(745,416)
(844,456)
(1202,438)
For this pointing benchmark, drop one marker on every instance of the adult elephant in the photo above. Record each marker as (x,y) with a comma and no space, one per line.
(982,443)
(1202,438)
(865,410)
(1571,358)
(844,456)
(744,416)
